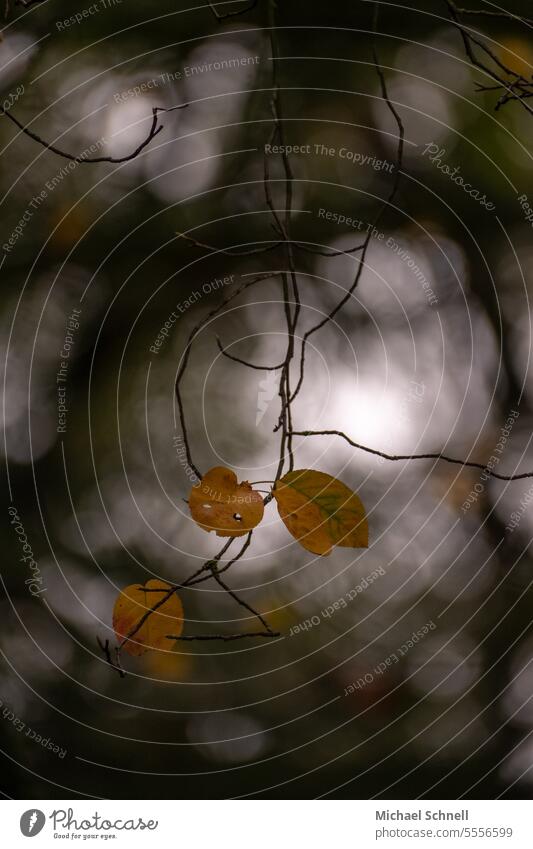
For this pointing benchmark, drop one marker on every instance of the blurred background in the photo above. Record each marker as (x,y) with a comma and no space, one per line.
(432,352)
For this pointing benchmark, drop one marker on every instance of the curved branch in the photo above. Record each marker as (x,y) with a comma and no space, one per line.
(155,129)
(187,353)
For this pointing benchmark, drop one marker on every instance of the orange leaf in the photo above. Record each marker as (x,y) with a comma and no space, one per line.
(219,503)
(320,511)
(131,607)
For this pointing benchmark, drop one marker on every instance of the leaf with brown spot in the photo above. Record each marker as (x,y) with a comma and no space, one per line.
(147,630)
(220,503)
(321,511)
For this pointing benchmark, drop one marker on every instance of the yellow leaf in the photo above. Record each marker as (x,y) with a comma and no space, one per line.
(518,55)
(131,607)
(320,511)
(219,503)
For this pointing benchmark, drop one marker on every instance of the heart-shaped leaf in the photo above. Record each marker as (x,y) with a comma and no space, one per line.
(143,629)
(220,503)
(321,511)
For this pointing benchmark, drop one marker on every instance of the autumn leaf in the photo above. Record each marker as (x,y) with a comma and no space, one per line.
(131,608)
(517,54)
(320,511)
(219,503)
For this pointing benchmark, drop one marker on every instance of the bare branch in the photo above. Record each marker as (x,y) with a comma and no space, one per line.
(221,569)
(238,556)
(211,566)
(284,229)
(229,251)
(107,653)
(517,87)
(245,362)
(385,205)
(155,129)
(226,15)
(489,13)
(25,3)
(302,246)
(438,455)
(240,601)
(225,637)
(186,356)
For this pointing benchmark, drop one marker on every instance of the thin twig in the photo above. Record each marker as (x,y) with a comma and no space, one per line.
(245,362)
(224,568)
(437,455)
(239,601)
(155,129)
(209,564)
(494,14)
(226,15)
(107,653)
(229,251)
(517,87)
(302,246)
(284,228)
(490,14)
(513,86)
(186,356)
(25,3)
(225,637)
(377,218)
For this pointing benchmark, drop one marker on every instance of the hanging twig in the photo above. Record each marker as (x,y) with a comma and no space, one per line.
(211,566)
(234,14)
(245,362)
(516,86)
